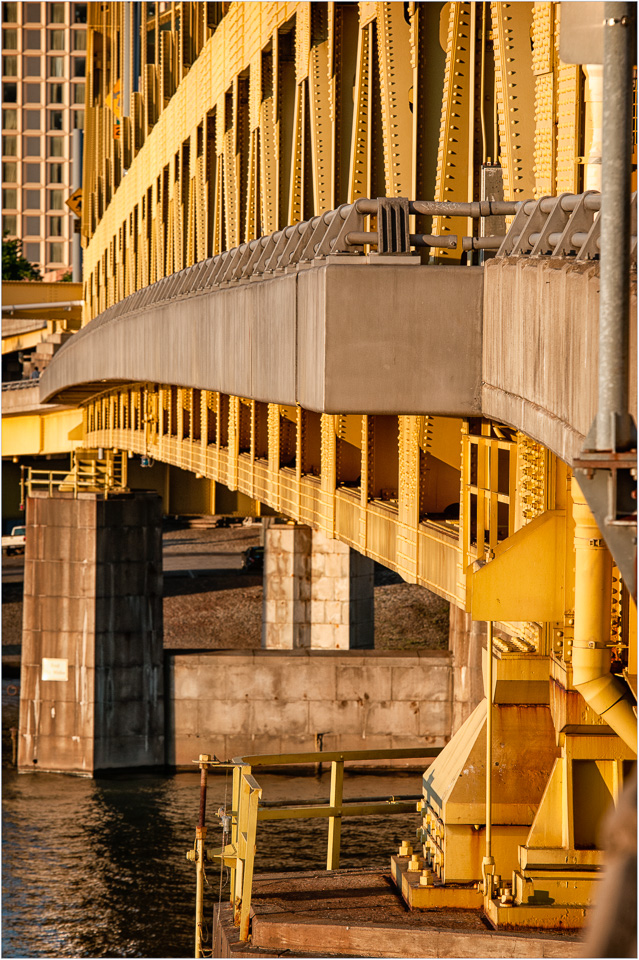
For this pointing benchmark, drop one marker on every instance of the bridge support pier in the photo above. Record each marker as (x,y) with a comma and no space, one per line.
(92,694)
(466,639)
(318,593)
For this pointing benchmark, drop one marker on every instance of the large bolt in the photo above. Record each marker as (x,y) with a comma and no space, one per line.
(406,849)
(426,879)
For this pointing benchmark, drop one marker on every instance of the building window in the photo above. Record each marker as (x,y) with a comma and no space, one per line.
(32,146)
(56,146)
(56,252)
(10,224)
(10,66)
(78,93)
(32,92)
(56,12)
(10,39)
(55,120)
(9,198)
(32,13)
(10,146)
(10,12)
(32,226)
(55,173)
(56,200)
(79,13)
(9,119)
(10,171)
(79,39)
(31,199)
(32,172)
(32,252)
(79,66)
(10,92)
(56,93)
(55,227)
(32,120)
(56,66)
(32,40)
(78,119)
(32,66)
(56,39)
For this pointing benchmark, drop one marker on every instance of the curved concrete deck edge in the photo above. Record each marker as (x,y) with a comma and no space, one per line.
(540,348)
(335,338)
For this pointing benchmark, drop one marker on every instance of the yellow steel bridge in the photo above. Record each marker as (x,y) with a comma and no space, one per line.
(344,258)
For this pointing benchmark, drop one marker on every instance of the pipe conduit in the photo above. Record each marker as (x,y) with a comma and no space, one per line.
(605,693)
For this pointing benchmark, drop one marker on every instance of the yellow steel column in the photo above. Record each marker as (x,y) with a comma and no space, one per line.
(488,863)
(335,822)
(605,693)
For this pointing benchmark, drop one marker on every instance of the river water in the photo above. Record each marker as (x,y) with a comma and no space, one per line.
(97,868)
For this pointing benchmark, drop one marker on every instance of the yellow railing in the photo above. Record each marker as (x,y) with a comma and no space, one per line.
(241,822)
(88,473)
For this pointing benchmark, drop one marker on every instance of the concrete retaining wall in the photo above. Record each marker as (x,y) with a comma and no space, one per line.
(233,703)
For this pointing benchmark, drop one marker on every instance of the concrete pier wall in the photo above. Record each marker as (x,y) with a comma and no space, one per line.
(92,691)
(233,703)
(318,592)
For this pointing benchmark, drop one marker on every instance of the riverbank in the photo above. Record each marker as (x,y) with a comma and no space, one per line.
(210,603)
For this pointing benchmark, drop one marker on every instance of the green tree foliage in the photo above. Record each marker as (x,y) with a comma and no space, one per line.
(14,265)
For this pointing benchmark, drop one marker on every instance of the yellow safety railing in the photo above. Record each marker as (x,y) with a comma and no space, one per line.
(88,473)
(241,821)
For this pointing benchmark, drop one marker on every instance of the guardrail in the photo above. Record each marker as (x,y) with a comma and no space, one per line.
(563,226)
(341,233)
(87,473)
(20,384)
(240,823)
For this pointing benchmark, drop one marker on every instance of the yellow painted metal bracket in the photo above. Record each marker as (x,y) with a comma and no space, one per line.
(228,854)
(525,580)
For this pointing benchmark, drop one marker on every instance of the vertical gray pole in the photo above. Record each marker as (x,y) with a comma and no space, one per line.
(77,141)
(615,429)
(125,99)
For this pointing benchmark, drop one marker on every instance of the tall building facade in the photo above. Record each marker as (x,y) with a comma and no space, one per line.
(43,87)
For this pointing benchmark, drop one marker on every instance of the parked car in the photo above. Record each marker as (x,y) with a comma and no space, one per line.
(253,559)
(229,521)
(16,541)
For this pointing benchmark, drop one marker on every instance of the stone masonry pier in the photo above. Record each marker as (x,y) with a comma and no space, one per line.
(92,694)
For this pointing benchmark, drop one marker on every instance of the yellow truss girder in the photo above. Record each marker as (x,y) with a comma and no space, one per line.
(42,433)
(245,125)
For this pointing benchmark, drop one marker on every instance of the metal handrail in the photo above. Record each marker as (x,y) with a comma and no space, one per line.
(20,384)
(241,822)
(104,476)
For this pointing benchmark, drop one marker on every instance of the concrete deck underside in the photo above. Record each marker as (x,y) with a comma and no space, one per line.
(515,341)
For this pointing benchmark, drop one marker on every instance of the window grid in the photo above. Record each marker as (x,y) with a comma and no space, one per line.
(44,53)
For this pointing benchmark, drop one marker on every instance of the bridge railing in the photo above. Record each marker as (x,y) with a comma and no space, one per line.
(343,232)
(88,473)
(563,226)
(20,384)
(248,809)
